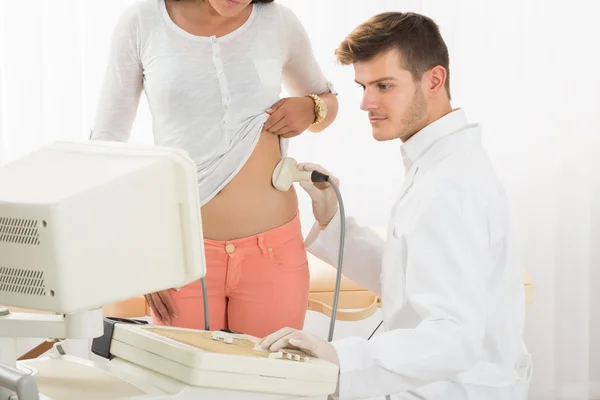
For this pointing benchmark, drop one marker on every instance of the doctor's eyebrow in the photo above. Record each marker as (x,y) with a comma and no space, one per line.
(376,81)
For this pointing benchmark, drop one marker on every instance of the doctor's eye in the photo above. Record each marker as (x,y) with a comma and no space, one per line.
(384,86)
(361,86)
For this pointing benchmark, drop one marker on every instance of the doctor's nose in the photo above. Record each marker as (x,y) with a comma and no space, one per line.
(368,102)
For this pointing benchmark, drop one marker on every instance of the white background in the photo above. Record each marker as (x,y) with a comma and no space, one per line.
(527,70)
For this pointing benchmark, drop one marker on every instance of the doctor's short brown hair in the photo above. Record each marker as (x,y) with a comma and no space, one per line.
(416,37)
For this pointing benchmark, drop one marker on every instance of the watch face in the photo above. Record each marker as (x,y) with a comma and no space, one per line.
(322,109)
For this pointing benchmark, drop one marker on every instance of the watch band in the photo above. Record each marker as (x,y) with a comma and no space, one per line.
(320,108)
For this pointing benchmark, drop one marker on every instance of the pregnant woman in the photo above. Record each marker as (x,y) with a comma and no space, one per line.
(212,71)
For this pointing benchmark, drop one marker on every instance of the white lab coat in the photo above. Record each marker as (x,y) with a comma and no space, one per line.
(453,306)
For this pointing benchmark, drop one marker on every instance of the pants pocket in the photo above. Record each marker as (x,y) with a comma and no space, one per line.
(290,256)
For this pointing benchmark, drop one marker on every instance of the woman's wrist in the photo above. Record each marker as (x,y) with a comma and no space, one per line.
(319,108)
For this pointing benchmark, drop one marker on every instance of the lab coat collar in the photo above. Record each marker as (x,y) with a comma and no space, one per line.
(418,144)
(445,136)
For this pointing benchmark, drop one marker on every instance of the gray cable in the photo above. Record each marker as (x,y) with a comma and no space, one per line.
(205,304)
(338,278)
(372,333)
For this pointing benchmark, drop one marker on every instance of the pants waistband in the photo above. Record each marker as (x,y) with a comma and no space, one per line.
(279,236)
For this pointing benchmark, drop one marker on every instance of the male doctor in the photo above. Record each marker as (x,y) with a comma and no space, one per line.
(453,307)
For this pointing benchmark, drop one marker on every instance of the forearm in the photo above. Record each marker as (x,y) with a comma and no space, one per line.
(404,359)
(332,109)
(363,251)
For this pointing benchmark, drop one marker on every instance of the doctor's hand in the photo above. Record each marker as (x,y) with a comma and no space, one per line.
(162,305)
(298,340)
(324,200)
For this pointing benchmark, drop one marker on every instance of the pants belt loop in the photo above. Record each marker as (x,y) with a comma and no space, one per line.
(261,245)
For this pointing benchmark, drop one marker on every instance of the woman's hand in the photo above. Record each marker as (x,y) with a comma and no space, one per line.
(290,116)
(162,305)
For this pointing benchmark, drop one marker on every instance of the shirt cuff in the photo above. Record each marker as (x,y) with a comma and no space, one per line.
(319,240)
(331,88)
(352,355)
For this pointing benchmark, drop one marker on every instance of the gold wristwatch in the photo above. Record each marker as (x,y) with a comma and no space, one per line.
(320,108)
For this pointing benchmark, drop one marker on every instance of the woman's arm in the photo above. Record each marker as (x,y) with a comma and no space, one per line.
(122,85)
(302,75)
(117,108)
(331,101)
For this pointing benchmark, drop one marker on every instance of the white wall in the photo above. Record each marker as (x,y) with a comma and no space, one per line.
(525,69)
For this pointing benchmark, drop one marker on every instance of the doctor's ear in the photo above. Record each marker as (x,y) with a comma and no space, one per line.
(435,80)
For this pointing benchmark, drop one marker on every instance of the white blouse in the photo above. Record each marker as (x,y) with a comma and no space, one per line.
(207,95)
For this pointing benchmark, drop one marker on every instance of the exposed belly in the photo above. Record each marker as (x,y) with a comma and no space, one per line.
(249,204)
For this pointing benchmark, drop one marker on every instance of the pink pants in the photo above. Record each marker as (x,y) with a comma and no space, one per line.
(256,285)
